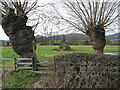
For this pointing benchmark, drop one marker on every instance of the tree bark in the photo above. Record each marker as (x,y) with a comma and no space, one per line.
(20,35)
(98,41)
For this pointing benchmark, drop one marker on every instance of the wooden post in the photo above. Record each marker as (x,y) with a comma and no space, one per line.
(34,60)
(34,64)
(15,63)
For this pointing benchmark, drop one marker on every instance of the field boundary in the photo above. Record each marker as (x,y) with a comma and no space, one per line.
(31,64)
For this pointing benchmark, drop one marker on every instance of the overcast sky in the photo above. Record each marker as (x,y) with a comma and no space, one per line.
(3,36)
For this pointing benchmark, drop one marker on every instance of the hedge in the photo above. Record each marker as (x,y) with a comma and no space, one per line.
(80,70)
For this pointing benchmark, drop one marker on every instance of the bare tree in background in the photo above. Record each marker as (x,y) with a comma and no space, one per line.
(50,25)
(49,22)
(91,18)
(14,19)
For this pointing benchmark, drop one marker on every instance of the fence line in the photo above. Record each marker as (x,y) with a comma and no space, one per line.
(6,58)
(20,64)
(24,59)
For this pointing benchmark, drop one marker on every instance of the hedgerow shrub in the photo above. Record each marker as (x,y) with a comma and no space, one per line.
(80,70)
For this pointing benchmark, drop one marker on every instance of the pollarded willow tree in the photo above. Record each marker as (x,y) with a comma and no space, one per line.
(92,18)
(14,20)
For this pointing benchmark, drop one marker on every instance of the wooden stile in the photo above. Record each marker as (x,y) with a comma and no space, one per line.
(27,63)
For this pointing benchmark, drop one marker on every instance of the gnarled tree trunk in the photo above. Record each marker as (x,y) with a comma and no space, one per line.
(91,18)
(97,37)
(20,35)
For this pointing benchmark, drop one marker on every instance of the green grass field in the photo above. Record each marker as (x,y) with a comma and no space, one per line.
(45,52)
(26,79)
(21,79)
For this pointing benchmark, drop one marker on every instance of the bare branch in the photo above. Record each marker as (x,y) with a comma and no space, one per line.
(87,16)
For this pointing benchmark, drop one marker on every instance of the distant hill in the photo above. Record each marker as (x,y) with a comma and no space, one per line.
(77,36)
(114,36)
(74,36)
(69,37)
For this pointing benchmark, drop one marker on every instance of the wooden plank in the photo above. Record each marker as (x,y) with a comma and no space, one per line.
(24,58)
(27,63)
(6,63)
(6,58)
(8,67)
(40,68)
(38,63)
(24,63)
(44,63)
(43,59)
(25,68)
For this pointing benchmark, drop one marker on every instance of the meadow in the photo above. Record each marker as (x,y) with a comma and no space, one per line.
(46,52)
(27,79)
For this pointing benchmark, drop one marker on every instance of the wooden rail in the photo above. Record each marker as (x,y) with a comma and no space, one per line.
(6,58)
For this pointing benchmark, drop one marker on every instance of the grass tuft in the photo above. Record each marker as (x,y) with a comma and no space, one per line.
(20,79)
